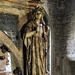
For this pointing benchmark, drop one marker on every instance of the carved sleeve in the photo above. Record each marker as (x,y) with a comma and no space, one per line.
(28,28)
(27,41)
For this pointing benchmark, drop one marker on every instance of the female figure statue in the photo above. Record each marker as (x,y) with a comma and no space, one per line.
(35,40)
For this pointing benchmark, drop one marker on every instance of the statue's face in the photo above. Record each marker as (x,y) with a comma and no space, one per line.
(38,15)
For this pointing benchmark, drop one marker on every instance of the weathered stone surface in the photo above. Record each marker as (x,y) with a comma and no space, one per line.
(9,25)
(62,32)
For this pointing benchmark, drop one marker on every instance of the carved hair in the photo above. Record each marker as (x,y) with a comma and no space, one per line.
(41,9)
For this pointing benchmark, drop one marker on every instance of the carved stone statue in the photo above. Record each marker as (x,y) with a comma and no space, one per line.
(35,39)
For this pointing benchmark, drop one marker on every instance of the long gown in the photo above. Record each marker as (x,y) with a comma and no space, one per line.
(35,50)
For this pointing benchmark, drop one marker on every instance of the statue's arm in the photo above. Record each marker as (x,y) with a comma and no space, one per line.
(28,31)
(29,34)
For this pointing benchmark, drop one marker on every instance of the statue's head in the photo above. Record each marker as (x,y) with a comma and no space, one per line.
(38,13)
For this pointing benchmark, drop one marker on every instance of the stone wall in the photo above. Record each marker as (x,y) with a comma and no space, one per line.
(61,14)
(9,25)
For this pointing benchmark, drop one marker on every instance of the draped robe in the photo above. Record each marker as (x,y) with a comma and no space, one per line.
(35,50)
